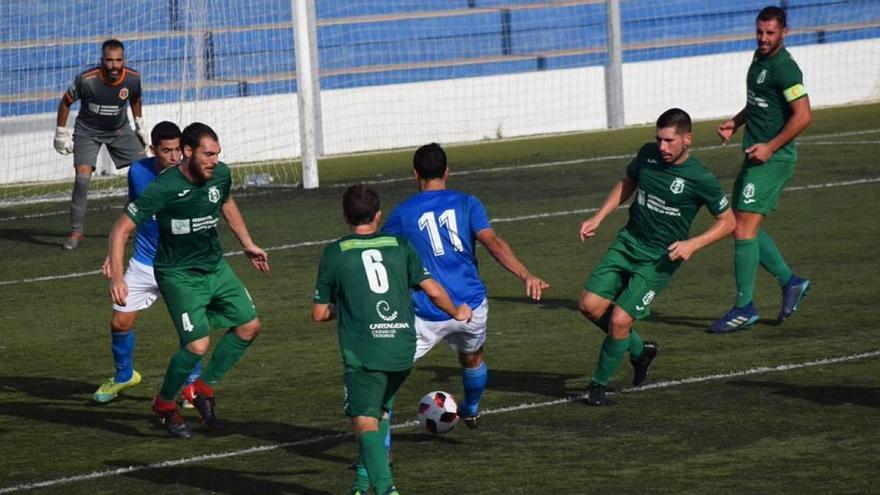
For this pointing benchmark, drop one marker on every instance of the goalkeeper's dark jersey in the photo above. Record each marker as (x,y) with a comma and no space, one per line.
(104,101)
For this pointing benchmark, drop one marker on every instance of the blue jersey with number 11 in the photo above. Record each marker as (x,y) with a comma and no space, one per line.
(443,227)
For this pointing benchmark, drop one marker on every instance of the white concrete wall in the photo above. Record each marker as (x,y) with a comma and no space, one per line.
(471,109)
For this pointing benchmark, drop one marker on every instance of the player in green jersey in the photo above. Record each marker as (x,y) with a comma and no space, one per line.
(364,279)
(198,286)
(777,110)
(670,186)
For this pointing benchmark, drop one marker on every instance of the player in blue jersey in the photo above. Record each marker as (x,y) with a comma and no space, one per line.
(444,225)
(143,290)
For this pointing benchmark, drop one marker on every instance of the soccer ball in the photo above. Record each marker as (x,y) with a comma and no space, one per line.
(438,412)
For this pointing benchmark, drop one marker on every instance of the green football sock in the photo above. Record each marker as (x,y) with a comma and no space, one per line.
(636,344)
(610,356)
(745,268)
(182,363)
(771,258)
(361,479)
(375,458)
(225,355)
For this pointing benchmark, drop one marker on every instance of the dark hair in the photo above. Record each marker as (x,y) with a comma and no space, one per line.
(194,133)
(675,117)
(112,43)
(360,204)
(772,13)
(164,130)
(430,161)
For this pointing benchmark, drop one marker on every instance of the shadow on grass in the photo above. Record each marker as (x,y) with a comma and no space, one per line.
(96,418)
(299,440)
(535,382)
(41,237)
(570,304)
(49,388)
(215,480)
(825,395)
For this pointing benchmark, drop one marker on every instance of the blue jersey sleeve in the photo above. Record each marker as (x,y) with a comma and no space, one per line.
(394,223)
(477,215)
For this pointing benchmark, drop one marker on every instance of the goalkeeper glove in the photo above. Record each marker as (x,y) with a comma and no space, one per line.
(141,129)
(63,140)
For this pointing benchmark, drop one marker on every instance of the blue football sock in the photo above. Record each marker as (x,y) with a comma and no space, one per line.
(194,374)
(474,381)
(387,426)
(122,346)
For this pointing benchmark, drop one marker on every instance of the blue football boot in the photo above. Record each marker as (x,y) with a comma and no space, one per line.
(735,319)
(792,294)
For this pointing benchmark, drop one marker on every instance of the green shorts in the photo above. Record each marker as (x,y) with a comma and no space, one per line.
(630,279)
(200,301)
(370,392)
(123,146)
(758,187)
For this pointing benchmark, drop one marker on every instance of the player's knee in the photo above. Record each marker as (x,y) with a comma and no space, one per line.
(119,325)
(199,347)
(589,308)
(249,330)
(620,325)
(471,360)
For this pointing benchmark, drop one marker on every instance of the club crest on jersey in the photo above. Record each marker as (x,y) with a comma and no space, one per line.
(123,93)
(382,308)
(648,297)
(761,76)
(213,194)
(749,193)
(677,186)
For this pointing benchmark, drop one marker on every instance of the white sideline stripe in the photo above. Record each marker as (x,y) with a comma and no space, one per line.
(49,278)
(837,143)
(409,424)
(535,165)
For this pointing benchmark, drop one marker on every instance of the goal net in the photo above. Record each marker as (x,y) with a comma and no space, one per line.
(397,74)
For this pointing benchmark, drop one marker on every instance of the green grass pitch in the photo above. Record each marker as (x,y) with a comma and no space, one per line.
(750,426)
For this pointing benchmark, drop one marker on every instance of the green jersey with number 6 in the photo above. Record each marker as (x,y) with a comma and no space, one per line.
(668,198)
(773,83)
(187,215)
(368,278)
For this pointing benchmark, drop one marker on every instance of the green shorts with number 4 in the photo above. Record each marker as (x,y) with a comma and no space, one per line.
(371,392)
(200,301)
(630,279)
(758,186)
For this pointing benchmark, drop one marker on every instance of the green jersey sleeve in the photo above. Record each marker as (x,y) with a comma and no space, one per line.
(325,286)
(712,195)
(146,205)
(227,183)
(634,166)
(415,269)
(790,81)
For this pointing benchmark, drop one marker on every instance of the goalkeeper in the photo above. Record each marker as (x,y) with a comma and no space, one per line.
(102,120)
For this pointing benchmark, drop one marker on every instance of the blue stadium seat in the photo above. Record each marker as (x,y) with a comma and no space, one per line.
(327,9)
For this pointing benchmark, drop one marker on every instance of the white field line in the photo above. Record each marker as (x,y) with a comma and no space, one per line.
(804,140)
(283,247)
(409,424)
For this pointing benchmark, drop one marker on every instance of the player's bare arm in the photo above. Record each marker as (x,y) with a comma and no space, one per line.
(721,228)
(503,254)
(122,229)
(801,117)
(728,128)
(232,215)
(441,299)
(323,312)
(621,192)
